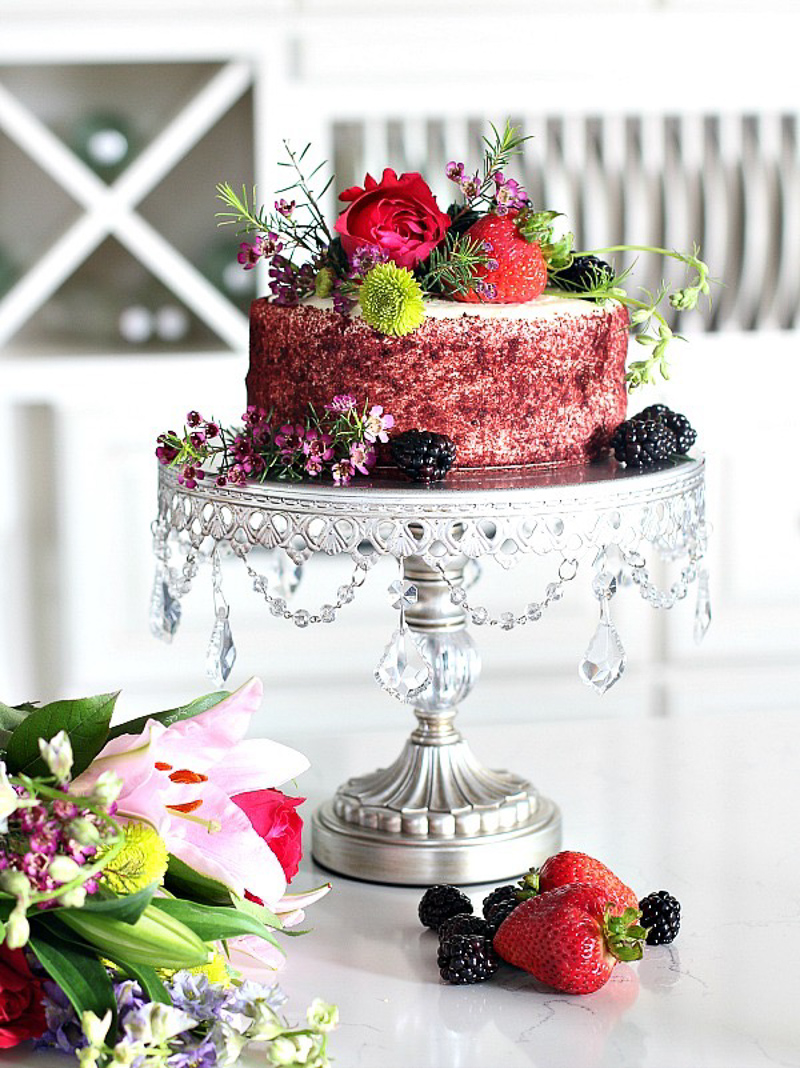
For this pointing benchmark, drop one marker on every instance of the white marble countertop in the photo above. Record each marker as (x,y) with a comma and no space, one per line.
(702,807)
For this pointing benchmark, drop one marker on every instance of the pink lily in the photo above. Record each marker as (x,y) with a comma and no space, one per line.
(180,780)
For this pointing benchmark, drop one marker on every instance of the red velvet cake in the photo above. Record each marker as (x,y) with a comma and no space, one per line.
(512,384)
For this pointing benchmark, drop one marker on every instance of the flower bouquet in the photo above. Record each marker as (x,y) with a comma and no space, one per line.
(143,883)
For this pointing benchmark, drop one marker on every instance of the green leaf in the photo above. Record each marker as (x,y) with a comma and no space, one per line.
(172,715)
(211,923)
(85,720)
(12,715)
(257,911)
(128,909)
(148,980)
(77,971)
(187,883)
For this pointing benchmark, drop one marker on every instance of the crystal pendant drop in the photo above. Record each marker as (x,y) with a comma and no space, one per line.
(403,671)
(221,653)
(702,615)
(165,610)
(604,660)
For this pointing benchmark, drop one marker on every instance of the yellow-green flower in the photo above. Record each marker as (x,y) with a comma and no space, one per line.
(216,969)
(141,861)
(391,300)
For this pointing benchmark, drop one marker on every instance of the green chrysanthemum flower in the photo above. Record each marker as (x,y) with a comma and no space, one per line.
(141,861)
(391,300)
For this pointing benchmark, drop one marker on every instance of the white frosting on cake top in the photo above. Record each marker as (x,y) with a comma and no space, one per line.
(545,307)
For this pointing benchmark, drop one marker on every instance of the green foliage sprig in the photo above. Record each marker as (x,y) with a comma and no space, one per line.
(450,268)
(652,331)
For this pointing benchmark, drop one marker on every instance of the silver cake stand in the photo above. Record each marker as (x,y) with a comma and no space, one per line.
(437,814)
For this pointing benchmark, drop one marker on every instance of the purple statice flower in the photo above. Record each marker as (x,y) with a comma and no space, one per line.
(249,254)
(471,186)
(486,290)
(193,1051)
(364,258)
(342,472)
(377,423)
(454,171)
(190,476)
(290,439)
(342,402)
(285,207)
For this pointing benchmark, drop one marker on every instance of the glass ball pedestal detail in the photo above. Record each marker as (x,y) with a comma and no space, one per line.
(436,814)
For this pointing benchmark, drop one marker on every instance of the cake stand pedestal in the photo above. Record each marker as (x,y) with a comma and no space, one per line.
(437,814)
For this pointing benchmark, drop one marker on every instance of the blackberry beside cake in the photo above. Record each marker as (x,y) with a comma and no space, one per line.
(510,384)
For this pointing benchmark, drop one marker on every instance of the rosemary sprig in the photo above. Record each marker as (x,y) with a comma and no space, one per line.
(451,267)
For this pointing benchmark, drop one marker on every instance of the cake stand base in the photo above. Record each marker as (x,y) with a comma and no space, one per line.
(371,855)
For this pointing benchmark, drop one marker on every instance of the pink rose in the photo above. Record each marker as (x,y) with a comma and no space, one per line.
(273,817)
(21,1000)
(398,215)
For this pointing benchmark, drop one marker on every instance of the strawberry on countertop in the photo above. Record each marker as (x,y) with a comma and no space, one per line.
(568,939)
(573,867)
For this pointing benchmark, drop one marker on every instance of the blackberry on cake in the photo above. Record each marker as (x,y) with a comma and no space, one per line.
(465,958)
(661,915)
(423,455)
(440,902)
(643,444)
(584,274)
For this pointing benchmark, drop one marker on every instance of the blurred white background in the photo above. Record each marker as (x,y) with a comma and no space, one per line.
(654,123)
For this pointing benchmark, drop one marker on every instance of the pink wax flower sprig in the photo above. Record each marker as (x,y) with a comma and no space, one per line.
(339,442)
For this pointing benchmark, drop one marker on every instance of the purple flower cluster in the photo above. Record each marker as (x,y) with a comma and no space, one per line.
(289,284)
(40,832)
(508,194)
(341,442)
(201,432)
(264,245)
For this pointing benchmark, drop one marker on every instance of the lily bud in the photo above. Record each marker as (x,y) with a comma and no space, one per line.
(57,754)
(156,939)
(18,930)
(94,1028)
(63,869)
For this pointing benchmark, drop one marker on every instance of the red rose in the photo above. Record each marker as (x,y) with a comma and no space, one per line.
(21,1000)
(274,819)
(399,215)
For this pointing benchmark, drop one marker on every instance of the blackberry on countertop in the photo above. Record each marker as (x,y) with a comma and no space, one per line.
(500,893)
(500,911)
(642,444)
(661,915)
(462,924)
(685,435)
(467,958)
(423,455)
(439,903)
(583,274)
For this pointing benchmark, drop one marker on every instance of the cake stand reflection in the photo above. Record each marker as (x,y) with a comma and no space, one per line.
(437,814)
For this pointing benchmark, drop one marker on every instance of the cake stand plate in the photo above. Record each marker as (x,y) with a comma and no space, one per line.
(436,814)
